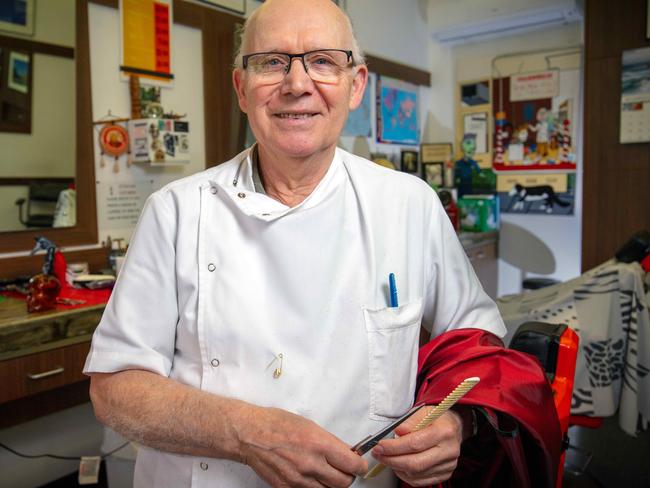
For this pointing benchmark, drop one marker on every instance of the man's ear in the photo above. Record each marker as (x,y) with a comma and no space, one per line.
(359,83)
(240,89)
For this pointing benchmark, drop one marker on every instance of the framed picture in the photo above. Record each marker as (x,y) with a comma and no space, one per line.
(18,72)
(409,161)
(477,123)
(436,153)
(397,112)
(238,6)
(433,174)
(17,16)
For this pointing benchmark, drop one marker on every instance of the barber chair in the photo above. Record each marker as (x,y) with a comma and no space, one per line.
(556,348)
(40,203)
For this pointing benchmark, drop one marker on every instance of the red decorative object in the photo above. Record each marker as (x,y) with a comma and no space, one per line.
(114,139)
(43,290)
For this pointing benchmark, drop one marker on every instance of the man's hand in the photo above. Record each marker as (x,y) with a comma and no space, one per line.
(424,457)
(288,450)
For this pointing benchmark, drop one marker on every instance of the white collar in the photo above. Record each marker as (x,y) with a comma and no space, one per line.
(259,205)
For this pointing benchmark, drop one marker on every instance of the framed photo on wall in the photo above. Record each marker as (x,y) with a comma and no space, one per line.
(17,16)
(433,174)
(18,72)
(436,152)
(409,161)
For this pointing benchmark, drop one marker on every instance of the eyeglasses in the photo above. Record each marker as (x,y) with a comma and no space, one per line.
(322,65)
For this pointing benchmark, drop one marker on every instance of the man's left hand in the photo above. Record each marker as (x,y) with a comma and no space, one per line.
(424,457)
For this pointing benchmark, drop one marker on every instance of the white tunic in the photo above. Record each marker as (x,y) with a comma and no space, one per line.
(220,280)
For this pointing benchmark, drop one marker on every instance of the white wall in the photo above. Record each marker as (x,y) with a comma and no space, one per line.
(397,31)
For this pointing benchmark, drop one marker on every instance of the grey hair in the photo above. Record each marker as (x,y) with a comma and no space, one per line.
(242,33)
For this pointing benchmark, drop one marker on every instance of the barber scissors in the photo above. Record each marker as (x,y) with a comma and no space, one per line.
(372,440)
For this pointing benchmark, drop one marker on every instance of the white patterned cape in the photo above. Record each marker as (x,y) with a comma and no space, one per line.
(608,308)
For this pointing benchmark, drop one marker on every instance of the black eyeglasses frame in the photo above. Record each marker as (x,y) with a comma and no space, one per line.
(245,58)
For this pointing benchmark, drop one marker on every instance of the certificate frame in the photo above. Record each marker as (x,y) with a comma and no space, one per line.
(436,152)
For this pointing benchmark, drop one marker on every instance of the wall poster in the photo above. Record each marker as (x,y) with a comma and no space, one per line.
(397,112)
(635,96)
(146,31)
(477,124)
(542,193)
(535,134)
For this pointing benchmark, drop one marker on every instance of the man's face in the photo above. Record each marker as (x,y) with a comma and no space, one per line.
(297,117)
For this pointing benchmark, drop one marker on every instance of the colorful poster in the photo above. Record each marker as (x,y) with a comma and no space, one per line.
(397,112)
(535,134)
(635,96)
(359,123)
(547,194)
(146,27)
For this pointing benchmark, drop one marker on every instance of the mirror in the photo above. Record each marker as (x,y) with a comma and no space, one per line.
(58,149)
(37,119)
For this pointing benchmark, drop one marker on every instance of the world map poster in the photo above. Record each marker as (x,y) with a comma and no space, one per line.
(397,112)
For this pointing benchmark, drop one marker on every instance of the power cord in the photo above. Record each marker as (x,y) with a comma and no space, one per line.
(56,456)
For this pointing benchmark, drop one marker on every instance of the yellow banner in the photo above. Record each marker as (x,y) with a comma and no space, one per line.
(146,38)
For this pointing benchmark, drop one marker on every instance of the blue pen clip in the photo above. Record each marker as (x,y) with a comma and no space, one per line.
(393,290)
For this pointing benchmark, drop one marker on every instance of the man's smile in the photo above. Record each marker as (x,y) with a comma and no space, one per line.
(295,115)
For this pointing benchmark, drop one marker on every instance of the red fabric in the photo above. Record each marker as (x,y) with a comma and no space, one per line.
(89,297)
(515,397)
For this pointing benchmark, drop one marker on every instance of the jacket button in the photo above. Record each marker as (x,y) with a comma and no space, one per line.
(211,267)
(204,466)
(215,363)
(241,194)
(213,190)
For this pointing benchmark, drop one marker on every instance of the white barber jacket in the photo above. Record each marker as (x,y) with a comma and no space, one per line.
(220,280)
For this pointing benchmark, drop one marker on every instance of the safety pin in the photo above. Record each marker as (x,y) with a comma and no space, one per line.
(277,372)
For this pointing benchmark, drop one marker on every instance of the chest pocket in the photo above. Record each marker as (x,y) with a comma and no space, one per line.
(393,335)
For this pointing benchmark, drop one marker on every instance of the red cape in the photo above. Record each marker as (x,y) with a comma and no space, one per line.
(519,439)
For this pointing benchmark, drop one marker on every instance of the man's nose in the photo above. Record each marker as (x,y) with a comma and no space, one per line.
(297,80)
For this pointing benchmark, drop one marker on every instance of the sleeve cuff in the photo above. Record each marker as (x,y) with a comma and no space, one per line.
(112,362)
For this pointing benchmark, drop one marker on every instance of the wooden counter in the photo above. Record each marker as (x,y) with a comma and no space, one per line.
(41,359)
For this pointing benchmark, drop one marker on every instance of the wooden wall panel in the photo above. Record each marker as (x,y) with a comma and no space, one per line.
(616,176)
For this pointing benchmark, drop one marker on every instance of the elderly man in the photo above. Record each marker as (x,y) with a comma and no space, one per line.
(249,340)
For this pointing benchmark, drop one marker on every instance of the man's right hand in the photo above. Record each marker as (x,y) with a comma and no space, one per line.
(288,450)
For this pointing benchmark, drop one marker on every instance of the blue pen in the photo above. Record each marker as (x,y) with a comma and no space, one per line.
(393,290)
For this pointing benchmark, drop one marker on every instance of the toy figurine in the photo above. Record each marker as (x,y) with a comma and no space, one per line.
(466,166)
(44,288)
(543,129)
